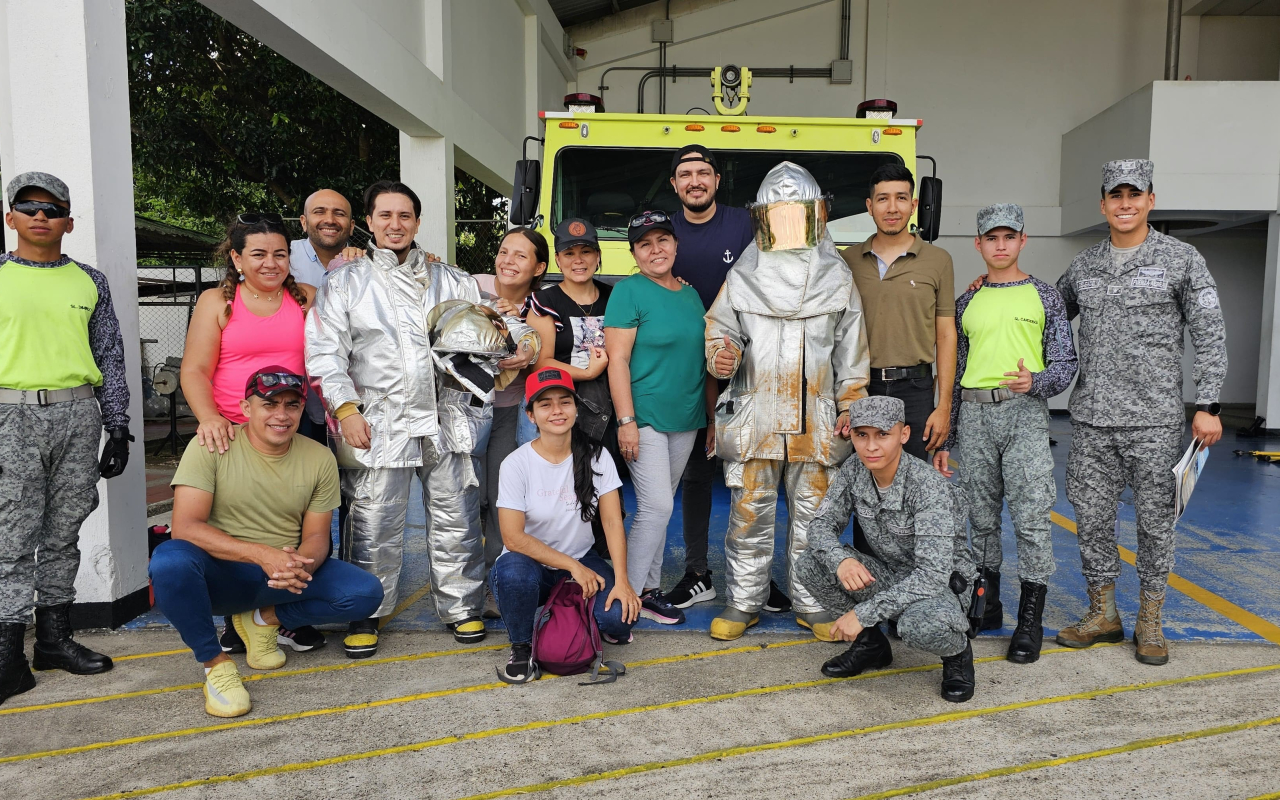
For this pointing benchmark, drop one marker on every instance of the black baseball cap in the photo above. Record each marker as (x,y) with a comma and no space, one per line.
(647,221)
(702,153)
(575,230)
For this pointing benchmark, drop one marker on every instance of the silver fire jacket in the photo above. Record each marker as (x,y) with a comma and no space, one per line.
(794,319)
(368,343)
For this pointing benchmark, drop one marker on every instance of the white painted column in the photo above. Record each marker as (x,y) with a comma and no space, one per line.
(1268,397)
(426,165)
(71,118)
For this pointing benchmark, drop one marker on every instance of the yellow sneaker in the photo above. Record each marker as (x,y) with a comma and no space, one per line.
(261,649)
(224,692)
(732,624)
(468,630)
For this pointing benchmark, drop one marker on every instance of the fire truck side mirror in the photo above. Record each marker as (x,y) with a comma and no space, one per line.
(929,212)
(524,192)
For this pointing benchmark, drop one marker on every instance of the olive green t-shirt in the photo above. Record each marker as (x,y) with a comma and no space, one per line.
(259,498)
(900,308)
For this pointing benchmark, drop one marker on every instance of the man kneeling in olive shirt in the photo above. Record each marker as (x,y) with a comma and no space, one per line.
(251,539)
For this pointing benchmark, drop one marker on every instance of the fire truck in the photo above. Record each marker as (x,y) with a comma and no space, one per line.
(606,167)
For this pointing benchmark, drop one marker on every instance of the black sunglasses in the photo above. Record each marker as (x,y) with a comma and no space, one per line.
(649,218)
(33,207)
(255,217)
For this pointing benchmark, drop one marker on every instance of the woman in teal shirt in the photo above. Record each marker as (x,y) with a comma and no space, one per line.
(653,333)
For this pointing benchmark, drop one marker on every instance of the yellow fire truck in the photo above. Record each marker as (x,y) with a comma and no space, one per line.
(606,167)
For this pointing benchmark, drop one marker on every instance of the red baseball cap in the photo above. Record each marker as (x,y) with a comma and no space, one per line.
(544,379)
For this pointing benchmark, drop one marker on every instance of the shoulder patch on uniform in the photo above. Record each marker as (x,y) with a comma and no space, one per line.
(1208,298)
(1090,283)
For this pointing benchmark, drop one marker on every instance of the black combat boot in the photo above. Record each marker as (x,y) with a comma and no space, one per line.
(869,651)
(15,675)
(993,617)
(55,649)
(1024,647)
(957,676)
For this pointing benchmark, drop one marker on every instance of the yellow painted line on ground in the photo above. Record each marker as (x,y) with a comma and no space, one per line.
(405,603)
(1140,744)
(156,654)
(728,752)
(412,698)
(1273,796)
(261,676)
(1242,617)
(258,676)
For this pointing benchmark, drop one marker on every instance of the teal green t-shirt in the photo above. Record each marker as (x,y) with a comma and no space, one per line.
(668,364)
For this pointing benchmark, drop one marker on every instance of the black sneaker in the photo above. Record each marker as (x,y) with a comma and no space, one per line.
(778,600)
(520,667)
(692,588)
(303,639)
(655,606)
(230,641)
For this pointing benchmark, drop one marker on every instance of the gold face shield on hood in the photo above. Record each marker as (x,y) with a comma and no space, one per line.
(790,212)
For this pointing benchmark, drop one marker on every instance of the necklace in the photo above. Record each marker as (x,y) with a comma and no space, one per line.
(589,307)
(273,296)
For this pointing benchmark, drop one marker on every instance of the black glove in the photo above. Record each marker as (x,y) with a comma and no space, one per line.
(115,453)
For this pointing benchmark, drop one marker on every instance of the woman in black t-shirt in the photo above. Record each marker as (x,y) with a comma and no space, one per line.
(571,314)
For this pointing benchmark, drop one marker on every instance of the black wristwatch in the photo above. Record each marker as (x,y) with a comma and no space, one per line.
(1213,409)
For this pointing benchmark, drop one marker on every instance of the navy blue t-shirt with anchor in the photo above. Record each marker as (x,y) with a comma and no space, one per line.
(706,250)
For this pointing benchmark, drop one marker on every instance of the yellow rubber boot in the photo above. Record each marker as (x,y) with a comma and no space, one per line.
(819,622)
(731,624)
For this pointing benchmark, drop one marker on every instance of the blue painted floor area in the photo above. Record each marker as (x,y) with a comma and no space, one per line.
(1228,543)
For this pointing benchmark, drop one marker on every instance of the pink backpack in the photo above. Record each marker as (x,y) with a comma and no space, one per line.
(566,640)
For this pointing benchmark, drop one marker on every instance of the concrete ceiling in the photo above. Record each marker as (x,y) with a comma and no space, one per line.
(574,12)
(1230,8)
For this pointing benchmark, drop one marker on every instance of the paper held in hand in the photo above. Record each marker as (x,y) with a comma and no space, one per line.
(1185,475)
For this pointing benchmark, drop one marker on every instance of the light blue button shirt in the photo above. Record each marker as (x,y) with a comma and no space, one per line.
(305,265)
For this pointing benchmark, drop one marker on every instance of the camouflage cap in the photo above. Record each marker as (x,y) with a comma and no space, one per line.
(38,180)
(1137,172)
(1000,215)
(881,413)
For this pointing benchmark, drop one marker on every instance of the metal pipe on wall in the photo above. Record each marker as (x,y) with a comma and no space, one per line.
(846,14)
(1172,42)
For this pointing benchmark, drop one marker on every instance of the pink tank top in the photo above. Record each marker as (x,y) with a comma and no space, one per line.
(249,343)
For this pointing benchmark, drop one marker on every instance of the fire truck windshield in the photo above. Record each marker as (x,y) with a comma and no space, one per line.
(607,185)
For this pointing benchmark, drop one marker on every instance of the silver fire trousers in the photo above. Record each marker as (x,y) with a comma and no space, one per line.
(748,546)
(373,537)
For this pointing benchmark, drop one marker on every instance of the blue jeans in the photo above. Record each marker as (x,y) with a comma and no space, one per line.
(521,585)
(526,431)
(192,586)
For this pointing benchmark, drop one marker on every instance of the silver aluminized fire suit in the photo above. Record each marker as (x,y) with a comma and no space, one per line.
(368,343)
(795,320)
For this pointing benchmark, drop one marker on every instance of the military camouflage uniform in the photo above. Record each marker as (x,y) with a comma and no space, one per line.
(916,532)
(1004,446)
(49,469)
(1126,409)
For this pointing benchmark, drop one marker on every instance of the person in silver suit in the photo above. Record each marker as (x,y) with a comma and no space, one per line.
(369,343)
(787,328)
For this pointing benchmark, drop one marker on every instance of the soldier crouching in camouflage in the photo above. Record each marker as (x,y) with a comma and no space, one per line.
(1133,293)
(1014,353)
(919,571)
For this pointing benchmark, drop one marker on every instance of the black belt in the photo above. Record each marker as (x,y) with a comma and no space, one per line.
(902,373)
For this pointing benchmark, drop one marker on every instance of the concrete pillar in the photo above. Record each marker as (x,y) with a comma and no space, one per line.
(1268,398)
(426,165)
(72,119)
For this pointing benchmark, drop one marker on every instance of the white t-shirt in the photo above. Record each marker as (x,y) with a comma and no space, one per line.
(544,492)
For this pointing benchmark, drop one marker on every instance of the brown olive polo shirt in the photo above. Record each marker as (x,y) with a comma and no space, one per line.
(900,308)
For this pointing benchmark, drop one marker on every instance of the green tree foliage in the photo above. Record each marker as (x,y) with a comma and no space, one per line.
(221,123)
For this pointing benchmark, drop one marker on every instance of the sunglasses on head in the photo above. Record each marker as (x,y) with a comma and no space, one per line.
(263,382)
(649,218)
(33,207)
(255,217)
